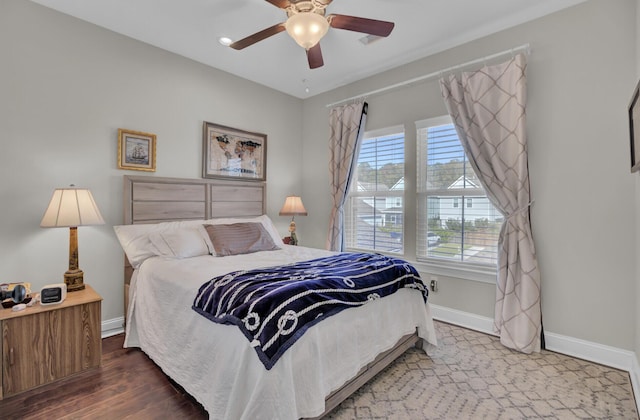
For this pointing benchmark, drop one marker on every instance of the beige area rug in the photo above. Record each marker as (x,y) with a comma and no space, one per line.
(470,375)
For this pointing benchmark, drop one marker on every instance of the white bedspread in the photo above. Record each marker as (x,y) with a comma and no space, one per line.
(217,366)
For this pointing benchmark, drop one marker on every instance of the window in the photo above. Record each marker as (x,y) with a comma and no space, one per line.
(454,228)
(452,205)
(374,210)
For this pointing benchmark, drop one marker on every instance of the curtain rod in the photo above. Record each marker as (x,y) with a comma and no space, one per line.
(522,48)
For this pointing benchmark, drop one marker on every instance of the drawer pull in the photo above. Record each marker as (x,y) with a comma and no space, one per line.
(11,357)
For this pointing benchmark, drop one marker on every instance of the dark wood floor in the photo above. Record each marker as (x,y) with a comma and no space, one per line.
(128,385)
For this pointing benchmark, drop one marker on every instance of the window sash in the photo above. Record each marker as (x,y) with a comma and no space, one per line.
(374,210)
(380,230)
(467,232)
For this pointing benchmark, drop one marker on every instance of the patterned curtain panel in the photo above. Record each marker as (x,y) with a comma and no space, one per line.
(488,109)
(347,125)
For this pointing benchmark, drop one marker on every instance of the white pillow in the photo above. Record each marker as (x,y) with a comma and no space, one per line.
(135,241)
(180,242)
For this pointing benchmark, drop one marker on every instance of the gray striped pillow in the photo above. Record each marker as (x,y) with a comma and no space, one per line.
(240,238)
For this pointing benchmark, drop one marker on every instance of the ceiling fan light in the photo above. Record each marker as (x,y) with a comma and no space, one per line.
(307,28)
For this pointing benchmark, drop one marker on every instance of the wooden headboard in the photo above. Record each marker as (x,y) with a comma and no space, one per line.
(150,199)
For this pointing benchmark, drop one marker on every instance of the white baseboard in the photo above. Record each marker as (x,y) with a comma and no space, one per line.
(463,319)
(588,350)
(635,380)
(582,349)
(112,327)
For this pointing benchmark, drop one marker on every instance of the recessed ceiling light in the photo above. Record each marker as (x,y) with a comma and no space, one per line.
(225,41)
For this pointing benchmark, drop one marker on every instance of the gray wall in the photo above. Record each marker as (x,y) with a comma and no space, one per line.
(66,86)
(580,76)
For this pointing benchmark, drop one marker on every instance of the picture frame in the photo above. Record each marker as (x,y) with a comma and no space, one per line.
(136,150)
(233,153)
(634,129)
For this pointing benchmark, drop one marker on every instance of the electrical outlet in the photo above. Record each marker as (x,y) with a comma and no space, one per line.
(433,285)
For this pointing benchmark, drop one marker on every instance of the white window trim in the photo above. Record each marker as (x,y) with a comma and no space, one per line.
(475,272)
(430,266)
(435,121)
(382,132)
(481,273)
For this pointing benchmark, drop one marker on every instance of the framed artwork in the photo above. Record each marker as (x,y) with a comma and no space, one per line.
(136,150)
(231,153)
(634,129)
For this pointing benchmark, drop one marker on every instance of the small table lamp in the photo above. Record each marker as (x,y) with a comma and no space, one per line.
(72,207)
(293,206)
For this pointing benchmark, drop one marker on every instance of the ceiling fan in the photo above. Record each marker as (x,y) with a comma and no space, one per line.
(307,24)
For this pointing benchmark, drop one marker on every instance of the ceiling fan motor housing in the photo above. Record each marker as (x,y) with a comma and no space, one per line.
(302,6)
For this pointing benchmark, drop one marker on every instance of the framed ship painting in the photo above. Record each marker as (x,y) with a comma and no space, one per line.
(231,153)
(136,150)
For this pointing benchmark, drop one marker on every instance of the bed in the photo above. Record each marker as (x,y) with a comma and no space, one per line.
(215,363)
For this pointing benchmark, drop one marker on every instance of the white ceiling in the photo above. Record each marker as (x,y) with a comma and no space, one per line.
(191,28)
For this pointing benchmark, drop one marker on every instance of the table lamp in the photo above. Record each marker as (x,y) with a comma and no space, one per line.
(293,206)
(72,207)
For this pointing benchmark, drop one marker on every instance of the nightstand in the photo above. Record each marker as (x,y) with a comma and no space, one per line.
(42,344)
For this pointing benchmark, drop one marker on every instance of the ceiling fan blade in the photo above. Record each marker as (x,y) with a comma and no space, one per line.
(358,24)
(258,36)
(283,4)
(314,55)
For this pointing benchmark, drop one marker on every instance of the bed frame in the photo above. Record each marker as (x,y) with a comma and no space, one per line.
(150,199)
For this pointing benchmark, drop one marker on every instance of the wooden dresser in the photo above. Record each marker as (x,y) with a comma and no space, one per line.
(42,344)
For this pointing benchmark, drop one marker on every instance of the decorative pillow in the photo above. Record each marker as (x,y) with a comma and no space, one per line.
(240,238)
(135,241)
(179,243)
(264,220)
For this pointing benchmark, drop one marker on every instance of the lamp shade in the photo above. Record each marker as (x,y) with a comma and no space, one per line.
(70,207)
(293,207)
(307,28)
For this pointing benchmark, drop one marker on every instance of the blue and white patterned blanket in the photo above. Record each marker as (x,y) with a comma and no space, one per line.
(274,306)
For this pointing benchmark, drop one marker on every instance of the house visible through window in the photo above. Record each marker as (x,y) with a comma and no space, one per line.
(466,233)
(374,210)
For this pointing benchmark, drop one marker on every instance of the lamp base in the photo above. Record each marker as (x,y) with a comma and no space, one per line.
(292,232)
(74,279)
